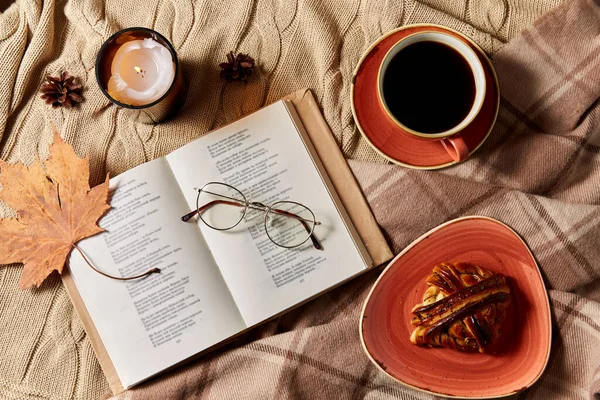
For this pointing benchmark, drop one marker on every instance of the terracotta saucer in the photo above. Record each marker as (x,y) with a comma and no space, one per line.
(388,138)
(520,356)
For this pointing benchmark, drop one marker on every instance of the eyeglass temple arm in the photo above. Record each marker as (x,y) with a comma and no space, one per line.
(189,215)
(313,238)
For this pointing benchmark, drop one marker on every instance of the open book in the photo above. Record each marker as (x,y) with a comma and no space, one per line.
(213,284)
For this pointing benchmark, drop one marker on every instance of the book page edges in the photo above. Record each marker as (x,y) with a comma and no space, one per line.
(318,164)
(101,353)
(339,175)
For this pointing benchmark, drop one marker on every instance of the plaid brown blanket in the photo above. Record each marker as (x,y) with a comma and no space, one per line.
(538,172)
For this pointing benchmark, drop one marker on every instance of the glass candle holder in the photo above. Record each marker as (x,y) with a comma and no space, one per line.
(156,110)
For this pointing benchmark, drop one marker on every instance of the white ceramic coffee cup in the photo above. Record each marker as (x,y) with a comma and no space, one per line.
(451,139)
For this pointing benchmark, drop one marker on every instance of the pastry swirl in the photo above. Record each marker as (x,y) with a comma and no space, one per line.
(463,308)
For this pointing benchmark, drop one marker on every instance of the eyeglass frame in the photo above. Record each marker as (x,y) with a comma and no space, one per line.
(255,205)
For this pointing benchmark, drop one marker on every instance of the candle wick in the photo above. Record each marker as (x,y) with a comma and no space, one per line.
(139,71)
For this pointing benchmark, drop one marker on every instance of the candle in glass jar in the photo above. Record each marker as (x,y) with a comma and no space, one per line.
(142,71)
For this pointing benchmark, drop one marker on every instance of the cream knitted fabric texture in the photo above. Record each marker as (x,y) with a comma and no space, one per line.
(44,352)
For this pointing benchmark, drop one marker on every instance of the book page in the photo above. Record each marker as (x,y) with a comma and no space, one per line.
(152,323)
(264,157)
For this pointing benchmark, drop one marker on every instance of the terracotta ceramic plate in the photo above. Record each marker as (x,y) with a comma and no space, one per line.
(521,355)
(387,137)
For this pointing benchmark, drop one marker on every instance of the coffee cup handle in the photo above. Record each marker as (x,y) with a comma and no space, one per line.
(456,147)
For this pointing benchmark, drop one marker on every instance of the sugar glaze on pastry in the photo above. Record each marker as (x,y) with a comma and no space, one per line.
(463,308)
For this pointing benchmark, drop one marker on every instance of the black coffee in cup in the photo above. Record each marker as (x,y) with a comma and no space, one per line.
(429,87)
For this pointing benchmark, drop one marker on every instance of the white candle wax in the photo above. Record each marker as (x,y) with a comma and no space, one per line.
(141,72)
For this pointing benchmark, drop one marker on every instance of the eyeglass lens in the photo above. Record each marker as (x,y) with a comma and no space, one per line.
(289,224)
(221,206)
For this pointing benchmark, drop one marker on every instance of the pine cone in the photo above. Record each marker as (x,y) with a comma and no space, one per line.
(237,68)
(61,91)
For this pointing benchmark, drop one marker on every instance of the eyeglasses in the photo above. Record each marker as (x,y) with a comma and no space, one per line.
(287,223)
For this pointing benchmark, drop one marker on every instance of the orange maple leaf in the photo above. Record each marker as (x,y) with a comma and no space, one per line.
(55,210)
